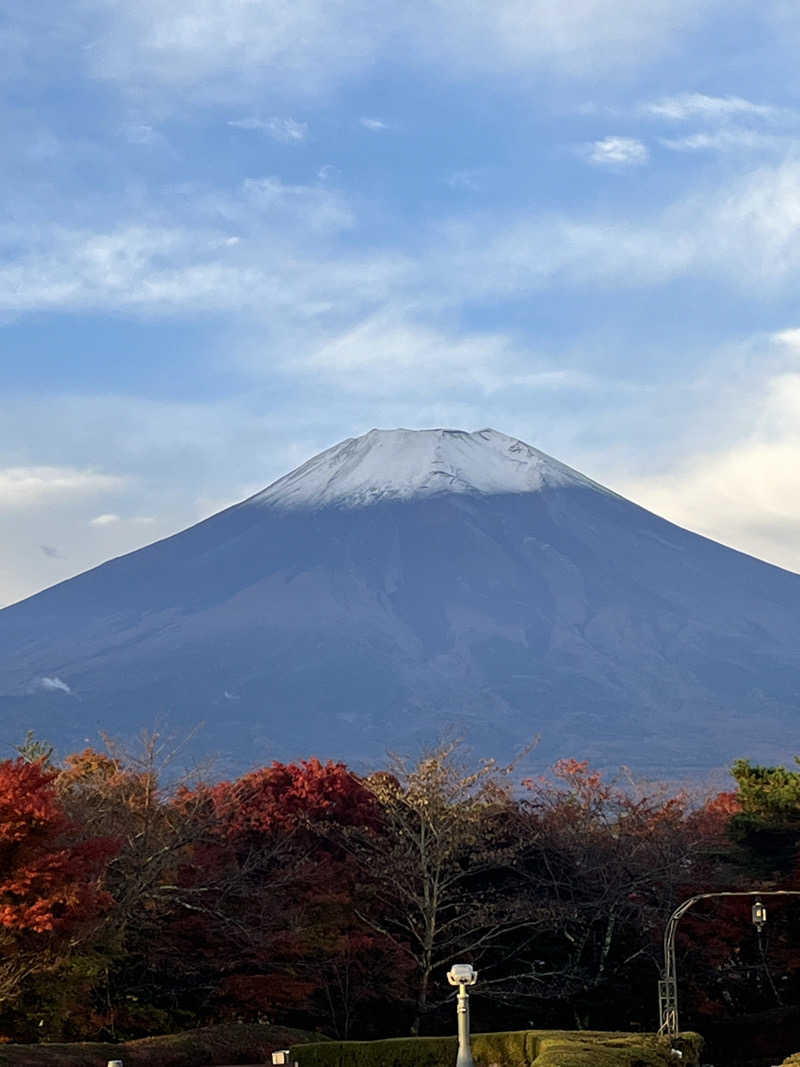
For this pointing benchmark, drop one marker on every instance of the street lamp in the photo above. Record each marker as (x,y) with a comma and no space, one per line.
(668,985)
(462,975)
(759,915)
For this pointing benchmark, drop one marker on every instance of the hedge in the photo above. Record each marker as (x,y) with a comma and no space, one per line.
(520,1048)
(227,1044)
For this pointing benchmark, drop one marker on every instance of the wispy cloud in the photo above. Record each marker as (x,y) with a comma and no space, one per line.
(723,123)
(727,139)
(685,106)
(278,253)
(53,685)
(206,50)
(22,487)
(367,358)
(285,130)
(617,152)
(110,518)
(469,180)
(141,133)
(373,124)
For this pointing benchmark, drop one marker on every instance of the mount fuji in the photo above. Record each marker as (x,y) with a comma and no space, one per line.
(406,584)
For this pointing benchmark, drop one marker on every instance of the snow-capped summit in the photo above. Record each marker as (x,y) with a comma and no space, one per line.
(401,464)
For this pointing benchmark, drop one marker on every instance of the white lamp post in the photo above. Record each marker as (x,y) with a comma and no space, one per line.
(462,975)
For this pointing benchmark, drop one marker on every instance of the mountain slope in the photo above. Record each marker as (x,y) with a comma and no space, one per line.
(409,581)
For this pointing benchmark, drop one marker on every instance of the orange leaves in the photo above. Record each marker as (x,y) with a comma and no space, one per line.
(47,879)
(27,800)
(288,796)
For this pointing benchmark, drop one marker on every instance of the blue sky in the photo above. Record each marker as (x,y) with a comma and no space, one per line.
(237,231)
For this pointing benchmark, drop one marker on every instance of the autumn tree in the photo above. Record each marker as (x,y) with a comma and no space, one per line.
(603,864)
(50,893)
(425,870)
(159,824)
(292,943)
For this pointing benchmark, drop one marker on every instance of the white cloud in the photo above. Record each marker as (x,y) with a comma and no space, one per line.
(287,131)
(617,152)
(228,50)
(328,172)
(110,518)
(727,139)
(469,180)
(282,254)
(312,207)
(373,124)
(396,355)
(744,491)
(700,106)
(144,134)
(745,233)
(54,684)
(788,338)
(22,487)
(179,463)
(186,256)
(580,39)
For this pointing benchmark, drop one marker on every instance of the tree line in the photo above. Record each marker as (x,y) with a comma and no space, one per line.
(305,894)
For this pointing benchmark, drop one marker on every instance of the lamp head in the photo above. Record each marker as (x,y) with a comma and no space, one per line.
(462,974)
(759,915)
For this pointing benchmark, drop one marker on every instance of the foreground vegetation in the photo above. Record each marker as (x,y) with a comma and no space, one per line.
(234,1043)
(252,1044)
(539,1048)
(306,895)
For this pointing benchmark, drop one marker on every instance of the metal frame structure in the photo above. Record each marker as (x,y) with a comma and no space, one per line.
(668,985)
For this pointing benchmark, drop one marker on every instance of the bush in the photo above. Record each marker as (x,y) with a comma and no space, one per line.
(521,1048)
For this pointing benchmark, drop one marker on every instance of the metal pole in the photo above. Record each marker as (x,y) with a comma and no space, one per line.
(464,1058)
(668,986)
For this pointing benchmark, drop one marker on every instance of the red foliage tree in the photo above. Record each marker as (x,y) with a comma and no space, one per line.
(277,905)
(288,797)
(49,879)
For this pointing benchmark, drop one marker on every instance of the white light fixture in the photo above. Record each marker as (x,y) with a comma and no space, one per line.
(462,974)
(759,915)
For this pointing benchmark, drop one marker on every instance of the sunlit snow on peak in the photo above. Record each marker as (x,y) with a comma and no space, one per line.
(402,464)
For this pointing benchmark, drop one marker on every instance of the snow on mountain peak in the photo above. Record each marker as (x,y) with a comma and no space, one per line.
(401,464)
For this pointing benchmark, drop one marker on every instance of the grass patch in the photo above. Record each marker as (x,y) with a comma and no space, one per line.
(228,1044)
